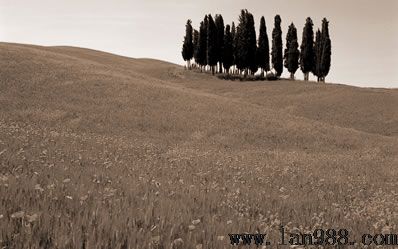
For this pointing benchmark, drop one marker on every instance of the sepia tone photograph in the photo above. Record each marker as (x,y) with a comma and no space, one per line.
(182,124)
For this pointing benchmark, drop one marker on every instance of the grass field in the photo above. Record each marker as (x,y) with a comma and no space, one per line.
(103,151)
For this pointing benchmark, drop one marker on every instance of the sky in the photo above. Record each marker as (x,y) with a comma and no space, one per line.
(364,33)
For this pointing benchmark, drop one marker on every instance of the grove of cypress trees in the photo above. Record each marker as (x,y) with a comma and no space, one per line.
(326,49)
(228,56)
(291,52)
(317,71)
(307,49)
(214,45)
(211,44)
(277,47)
(187,47)
(196,46)
(263,48)
(220,40)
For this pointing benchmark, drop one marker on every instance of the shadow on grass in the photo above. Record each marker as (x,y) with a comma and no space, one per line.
(235,77)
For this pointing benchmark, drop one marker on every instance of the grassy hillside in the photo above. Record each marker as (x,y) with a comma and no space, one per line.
(103,150)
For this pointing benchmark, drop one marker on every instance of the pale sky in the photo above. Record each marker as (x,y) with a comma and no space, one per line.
(364,33)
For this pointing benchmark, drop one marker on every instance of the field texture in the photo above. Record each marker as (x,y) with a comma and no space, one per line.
(103,151)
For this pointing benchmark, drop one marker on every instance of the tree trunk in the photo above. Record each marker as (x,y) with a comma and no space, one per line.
(212,70)
(292,76)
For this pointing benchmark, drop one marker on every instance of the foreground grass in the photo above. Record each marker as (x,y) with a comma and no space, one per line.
(103,156)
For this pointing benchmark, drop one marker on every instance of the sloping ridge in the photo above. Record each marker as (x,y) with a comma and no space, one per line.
(375,107)
(97,91)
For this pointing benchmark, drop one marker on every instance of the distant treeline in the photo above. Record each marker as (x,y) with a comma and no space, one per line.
(237,48)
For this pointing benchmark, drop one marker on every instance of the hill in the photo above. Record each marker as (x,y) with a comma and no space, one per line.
(118,151)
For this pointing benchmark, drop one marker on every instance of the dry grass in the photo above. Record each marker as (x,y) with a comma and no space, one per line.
(102,151)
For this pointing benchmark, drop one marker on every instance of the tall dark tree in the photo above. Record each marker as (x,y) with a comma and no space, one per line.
(202,47)
(245,43)
(187,47)
(307,49)
(196,46)
(220,40)
(211,44)
(228,56)
(252,43)
(263,48)
(277,47)
(233,30)
(291,52)
(233,34)
(241,42)
(206,22)
(326,49)
(317,70)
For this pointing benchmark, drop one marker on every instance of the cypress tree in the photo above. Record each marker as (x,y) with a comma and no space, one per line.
(253,66)
(326,50)
(220,40)
(203,43)
(263,48)
(252,43)
(307,49)
(211,44)
(291,52)
(245,43)
(206,27)
(241,43)
(228,56)
(196,46)
(233,34)
(317,55)
(277,47)
(202,46)
(187,47)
